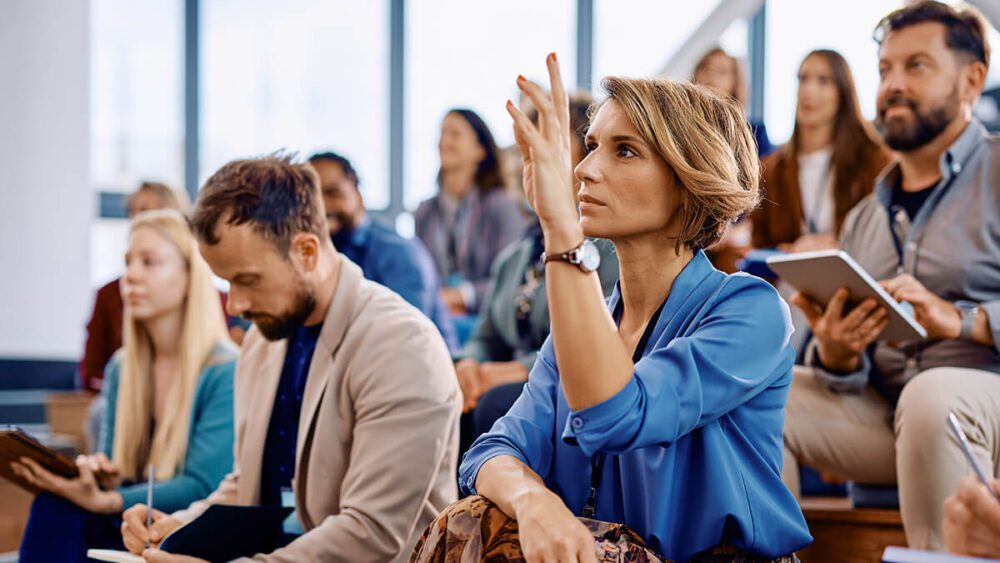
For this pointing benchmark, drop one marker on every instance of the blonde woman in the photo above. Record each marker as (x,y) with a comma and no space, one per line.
(657,414)
(169,394)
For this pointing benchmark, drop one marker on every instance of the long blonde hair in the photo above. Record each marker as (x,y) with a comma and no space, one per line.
(203,328)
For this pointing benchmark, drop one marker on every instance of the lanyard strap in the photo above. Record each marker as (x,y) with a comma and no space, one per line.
(597,462)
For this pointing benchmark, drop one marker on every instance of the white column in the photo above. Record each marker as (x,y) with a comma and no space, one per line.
(47,204)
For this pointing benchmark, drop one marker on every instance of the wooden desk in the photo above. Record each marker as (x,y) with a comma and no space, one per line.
(845,534)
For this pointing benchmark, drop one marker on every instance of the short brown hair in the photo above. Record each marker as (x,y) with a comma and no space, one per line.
(706,142)
(277,197)
(966,29)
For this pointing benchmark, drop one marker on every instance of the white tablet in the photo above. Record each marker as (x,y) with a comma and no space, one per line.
(818,275)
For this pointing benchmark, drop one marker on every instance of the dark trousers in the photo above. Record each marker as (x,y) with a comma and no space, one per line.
(59,530)
(492,405)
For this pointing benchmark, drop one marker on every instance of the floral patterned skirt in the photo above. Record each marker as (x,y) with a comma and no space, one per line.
(474,529)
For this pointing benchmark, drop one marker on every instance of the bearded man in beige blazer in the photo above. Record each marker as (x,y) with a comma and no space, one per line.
(364,428)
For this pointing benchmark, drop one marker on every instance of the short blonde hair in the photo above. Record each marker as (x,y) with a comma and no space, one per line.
(708,145)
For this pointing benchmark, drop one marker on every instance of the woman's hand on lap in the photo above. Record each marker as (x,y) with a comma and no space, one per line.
(548,531)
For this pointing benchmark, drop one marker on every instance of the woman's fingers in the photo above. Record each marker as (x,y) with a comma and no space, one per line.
(524,130)
(33,474)
(548,121)
(560,100)
(522,142)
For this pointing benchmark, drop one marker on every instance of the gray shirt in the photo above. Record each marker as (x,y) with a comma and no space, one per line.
(952,247)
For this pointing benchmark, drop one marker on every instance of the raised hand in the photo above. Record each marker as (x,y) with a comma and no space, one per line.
(546,149)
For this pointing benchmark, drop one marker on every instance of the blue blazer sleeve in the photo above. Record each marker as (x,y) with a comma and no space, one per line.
(739,348)
(210,446)
(400,272)
(526,432)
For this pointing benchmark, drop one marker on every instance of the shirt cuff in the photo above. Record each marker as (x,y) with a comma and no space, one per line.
(607,425)
(992,310)
(853,382)
(528,360)
(132,495)
(468,471)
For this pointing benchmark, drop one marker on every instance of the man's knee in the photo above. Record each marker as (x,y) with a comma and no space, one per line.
(805,390)
(926,400)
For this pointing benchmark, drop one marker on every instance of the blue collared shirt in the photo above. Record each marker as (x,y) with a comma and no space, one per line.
(403,266)
(693,443)
(278,465)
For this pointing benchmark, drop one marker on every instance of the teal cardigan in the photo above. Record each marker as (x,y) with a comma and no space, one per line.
(210,439)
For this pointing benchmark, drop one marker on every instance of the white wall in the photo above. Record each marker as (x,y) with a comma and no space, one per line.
(46,204)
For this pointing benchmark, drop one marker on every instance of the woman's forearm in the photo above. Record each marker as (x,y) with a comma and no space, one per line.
(508,483)
(593,363)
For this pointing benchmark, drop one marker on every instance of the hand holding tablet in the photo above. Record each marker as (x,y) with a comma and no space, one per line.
(818,276)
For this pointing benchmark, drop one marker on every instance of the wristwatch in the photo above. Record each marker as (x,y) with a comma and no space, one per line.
(969,311)
(585,256)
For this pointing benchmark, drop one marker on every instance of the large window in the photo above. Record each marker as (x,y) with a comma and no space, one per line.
(468,54)
(794,28)
(638,37)
(136,110)
(301,76)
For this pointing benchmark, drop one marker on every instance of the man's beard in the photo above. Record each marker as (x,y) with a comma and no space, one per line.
(278,327)
(342,236)
(341,221)
(925,126)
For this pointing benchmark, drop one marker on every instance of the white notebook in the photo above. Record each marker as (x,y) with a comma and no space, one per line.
(114,555)
(903,555)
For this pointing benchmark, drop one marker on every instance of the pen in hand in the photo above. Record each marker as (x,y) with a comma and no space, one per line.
(149,503)
(963,441)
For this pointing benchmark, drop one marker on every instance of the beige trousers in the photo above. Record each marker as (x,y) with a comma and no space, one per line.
(857,437)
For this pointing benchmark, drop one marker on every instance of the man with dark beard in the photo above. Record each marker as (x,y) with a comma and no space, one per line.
(346,402)
(874,411)
(403,266)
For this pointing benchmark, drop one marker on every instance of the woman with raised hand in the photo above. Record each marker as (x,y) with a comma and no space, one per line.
(513,320)
(169,394)
(661,409)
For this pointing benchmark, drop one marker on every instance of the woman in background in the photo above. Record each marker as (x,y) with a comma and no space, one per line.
(722,73)
(169,395)
(826,168)
(472,218)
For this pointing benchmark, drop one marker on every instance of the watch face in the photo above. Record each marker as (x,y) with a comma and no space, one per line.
(590,257)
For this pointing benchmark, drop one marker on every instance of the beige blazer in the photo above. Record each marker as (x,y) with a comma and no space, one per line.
(378,431)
